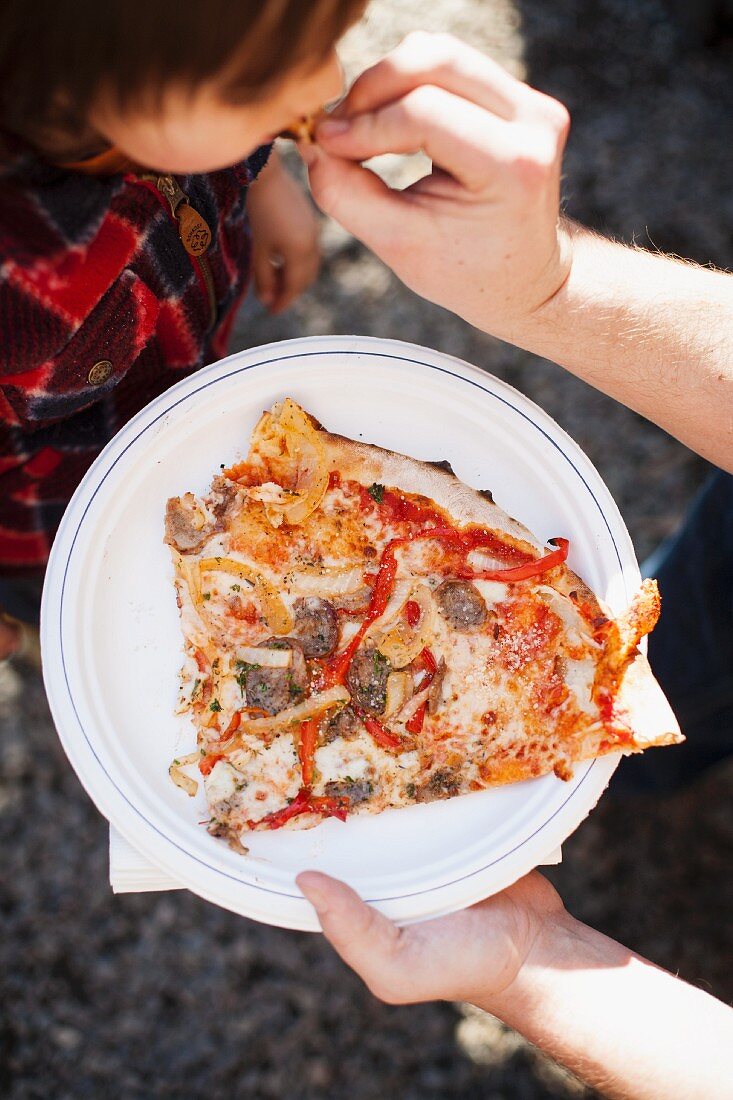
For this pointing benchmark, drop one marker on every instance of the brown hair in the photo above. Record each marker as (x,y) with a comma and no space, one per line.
(56,55)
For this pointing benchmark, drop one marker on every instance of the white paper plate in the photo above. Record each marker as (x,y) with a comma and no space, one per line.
(112,647)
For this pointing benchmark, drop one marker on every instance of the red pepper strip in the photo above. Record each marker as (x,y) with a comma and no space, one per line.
(428,662)
(443,534)
(307,748)
(384,583)
(255,710)
(304,803)
(335,671)
(521,572)
(233,726)
(412,612)
(207,762)
(330,807)
(620,732)
(426,659)
(415,724)
(381,735)
(472,540)
(299,805)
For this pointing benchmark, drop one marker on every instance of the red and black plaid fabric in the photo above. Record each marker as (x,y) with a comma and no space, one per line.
(93,269)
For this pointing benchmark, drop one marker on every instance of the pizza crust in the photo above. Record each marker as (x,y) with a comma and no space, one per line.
(648,711)
(366,463)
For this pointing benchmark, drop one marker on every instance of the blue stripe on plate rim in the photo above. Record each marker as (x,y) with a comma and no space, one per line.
(188,396)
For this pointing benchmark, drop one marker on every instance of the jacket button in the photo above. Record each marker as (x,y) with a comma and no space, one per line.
(99,373)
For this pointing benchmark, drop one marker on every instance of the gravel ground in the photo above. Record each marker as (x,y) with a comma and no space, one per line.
(167,996)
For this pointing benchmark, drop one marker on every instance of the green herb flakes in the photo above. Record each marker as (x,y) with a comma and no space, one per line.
(241,677)
(379,662)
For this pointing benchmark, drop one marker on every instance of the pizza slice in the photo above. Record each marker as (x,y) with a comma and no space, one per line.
(303,128)
(364,631)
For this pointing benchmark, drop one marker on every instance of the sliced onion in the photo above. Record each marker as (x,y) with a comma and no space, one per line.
(411,706)
(287,434)
(189,758)
(190,786)
(187,568)
(269,492)
(399,642)
(314,707)
(395,604)
(279,619)
(399,689)
(323,580)
(312,478)
(480,560)
(264,657)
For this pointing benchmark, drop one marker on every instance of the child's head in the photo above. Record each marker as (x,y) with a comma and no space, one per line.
(178,87)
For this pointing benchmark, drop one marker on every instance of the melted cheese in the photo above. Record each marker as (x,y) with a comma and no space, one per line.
(517,695)
(266,780)
(579,676)
(220,784)
(342,758)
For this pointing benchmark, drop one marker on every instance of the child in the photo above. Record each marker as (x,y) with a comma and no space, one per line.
(134,145)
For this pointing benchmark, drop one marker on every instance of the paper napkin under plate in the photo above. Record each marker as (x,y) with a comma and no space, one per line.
(131,872)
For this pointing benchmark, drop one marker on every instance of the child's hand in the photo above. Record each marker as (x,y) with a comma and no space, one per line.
(286,256)
(473,955)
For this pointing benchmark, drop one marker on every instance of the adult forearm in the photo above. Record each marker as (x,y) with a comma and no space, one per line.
(479,236)
(651,331)
(623,1025)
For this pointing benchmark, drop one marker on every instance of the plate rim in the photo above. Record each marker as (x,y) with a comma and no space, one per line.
(146,418)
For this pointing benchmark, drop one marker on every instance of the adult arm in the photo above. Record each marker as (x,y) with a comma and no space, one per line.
(482,236)
(620,1023)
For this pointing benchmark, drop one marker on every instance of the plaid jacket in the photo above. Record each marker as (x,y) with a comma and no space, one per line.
(101,309)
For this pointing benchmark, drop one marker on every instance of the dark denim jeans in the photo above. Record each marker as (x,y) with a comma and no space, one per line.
(21,597)
(691,649)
